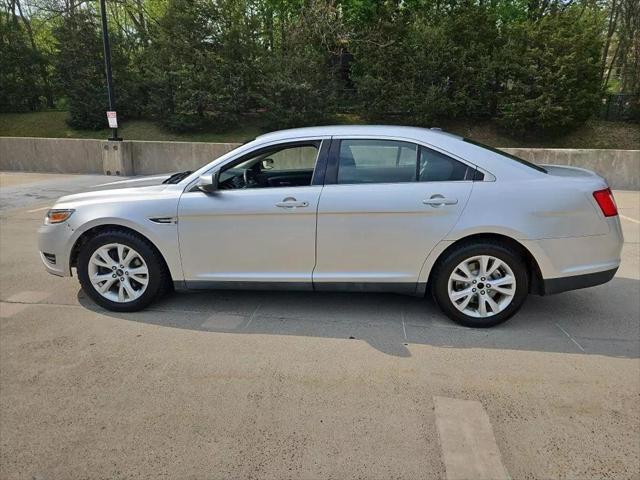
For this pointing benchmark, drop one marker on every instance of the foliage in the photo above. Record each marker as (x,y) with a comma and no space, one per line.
(553,79)
(197,65)
(299,78)
(424,65)
(200,74)
(80,71)
(21,86)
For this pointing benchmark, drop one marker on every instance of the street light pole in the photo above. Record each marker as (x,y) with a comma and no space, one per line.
(107,66)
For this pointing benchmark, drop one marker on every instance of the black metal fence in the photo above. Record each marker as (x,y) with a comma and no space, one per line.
(620,106)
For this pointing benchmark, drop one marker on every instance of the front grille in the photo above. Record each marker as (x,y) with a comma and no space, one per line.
(49,257)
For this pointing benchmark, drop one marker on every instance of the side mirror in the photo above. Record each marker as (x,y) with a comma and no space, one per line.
(267,164)
(208,183)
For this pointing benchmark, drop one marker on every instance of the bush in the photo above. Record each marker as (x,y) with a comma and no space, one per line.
(298,84)
(423,66)
(21,86)
(80,70)
(553,78)
(199,74)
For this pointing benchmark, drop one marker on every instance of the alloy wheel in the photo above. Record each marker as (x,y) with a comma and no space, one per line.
(118,272)
(482,286)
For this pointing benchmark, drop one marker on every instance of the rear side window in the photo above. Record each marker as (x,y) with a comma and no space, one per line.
(391,161)
(377,161)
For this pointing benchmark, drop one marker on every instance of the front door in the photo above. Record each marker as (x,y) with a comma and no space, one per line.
(260,225)
(389,204)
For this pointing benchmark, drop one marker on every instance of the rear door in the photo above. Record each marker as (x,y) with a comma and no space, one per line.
(386,203)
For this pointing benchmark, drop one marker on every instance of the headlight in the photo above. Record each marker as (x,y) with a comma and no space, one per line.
(57,215)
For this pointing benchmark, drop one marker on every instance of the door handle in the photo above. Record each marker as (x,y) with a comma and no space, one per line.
(291,202)
(439,200)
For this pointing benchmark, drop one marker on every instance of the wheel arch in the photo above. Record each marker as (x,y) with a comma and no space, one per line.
(536,284)
(91,232)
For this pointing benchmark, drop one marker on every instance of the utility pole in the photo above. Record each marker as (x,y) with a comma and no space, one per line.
(107,67)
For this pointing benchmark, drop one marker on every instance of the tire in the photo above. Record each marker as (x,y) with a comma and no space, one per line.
(129,289)
(450,280)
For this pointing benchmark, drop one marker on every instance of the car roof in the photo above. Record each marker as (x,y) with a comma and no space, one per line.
(417,133)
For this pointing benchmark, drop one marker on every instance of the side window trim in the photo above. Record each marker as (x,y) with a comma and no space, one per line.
(331,175)
(322,161)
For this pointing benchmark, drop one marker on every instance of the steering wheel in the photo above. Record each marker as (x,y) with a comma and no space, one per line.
(247,177)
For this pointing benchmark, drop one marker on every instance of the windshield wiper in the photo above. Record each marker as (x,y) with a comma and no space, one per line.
(177,177)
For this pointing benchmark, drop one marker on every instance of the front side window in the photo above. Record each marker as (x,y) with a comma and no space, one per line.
(281,166)
(391,161)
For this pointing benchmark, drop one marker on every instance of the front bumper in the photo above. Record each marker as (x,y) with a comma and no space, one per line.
(54,240)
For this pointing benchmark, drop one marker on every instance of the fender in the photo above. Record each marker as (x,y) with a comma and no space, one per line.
(166,244)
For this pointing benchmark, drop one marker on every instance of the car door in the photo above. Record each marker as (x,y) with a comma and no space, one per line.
(385,205)
(260,226)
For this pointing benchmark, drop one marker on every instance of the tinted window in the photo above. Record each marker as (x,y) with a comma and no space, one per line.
(507,155)
(377,161)
(436,167)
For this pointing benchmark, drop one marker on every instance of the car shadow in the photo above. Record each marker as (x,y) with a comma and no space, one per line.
(603,320)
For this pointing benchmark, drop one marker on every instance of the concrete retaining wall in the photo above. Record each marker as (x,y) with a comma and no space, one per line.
(162,157)
(620,167)
(57,155)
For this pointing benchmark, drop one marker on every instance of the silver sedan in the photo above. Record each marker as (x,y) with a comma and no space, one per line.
(360,208)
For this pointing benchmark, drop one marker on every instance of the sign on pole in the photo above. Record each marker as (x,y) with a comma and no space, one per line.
(113,119)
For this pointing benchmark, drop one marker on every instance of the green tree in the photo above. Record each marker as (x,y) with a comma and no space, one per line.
(553,75)
(299,81)
(421,63)
(21,87)
(201,64)
(80,70)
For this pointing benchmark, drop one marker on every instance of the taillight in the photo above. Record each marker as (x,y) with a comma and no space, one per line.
(606,202)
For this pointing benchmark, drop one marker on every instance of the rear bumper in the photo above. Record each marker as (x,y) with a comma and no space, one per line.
(575,282)
(558,258)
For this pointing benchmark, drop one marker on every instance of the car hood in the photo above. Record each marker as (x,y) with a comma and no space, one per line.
(122,190)
(134,182)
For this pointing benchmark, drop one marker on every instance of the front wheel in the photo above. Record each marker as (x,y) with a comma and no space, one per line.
(121,271)
(481,284)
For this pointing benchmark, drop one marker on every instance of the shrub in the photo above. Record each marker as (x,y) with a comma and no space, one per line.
(553,79)
(80,70)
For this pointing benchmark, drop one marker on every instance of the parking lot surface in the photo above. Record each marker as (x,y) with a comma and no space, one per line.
(308,385)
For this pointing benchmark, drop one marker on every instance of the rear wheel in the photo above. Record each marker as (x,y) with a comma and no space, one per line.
(121,271)
(480,284)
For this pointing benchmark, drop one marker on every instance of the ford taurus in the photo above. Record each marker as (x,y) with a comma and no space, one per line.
(361,208)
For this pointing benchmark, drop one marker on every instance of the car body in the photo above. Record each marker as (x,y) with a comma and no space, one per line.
(365,208)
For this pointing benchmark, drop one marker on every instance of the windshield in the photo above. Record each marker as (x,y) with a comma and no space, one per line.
(508,155)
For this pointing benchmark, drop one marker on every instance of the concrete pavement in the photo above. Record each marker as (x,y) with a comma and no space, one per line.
(299,385)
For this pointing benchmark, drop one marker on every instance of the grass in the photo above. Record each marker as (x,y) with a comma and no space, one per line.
(52,124)
(594,134)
